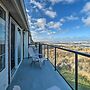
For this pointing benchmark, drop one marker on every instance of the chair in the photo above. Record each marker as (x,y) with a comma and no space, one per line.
(35,56)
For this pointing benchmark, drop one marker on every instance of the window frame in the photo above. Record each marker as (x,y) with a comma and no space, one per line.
(6,25)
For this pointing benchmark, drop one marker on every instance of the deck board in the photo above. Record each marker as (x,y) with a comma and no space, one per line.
(33,78)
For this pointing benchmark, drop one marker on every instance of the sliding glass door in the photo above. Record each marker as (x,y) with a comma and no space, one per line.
(12,45)
(19,45)
(2,37)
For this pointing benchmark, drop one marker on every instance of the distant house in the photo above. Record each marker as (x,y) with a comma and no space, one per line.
(14,31)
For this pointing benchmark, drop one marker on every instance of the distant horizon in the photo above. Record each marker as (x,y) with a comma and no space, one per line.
(79,41)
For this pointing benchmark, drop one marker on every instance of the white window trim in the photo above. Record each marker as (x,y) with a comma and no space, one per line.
(6,38)
(18,27)
(16,56)
(12,21)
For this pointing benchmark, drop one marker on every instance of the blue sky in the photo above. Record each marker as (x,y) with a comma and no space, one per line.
(59,20)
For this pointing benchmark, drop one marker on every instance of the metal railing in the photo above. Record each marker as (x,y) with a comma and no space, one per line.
(46,47)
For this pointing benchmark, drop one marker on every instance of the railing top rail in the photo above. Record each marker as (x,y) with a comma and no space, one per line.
(73,51)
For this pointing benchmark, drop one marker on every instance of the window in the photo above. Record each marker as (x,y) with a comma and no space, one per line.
(2,37)
(19,45)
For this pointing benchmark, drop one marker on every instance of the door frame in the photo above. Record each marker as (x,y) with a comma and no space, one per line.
(4,72)
(12,21)
(16,47)
(21,43)
(6,33)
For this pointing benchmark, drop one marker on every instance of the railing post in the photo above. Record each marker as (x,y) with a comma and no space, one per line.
(36,45)
(47,53)
(76,71)
(55,58)
(44,50)
(40,50)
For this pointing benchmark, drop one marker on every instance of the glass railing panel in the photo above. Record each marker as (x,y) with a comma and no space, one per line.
(42,50)
(66,66)
(52,55)
(45,48)
(83,73)
(37,48)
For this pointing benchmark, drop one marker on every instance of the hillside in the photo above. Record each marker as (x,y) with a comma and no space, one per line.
(66,63)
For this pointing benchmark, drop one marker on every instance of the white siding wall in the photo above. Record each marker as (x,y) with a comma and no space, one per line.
(25,44)
(4,73)
(21,45)
(16,46)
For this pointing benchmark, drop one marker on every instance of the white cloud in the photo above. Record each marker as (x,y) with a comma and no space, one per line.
(86,8)
(77,27)
(51,14)
(48,11)
(63,1)
(27,10)
(32,26)
(34,34)
(39,5)
(71,17)
(29,19)
(50,8)
(54,1)
(50,33)
(69,1)
(41,23)
(43,31)
(68,18)
(62,20)
(86,21)
(54,25)
(86,11)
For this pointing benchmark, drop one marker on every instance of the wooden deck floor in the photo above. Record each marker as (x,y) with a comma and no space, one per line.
(33,78)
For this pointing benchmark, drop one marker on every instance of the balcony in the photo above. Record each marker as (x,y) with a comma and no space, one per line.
(65,75)
(33,78)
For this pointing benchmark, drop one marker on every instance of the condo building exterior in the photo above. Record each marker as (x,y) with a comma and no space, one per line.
(16,64)
(14,31)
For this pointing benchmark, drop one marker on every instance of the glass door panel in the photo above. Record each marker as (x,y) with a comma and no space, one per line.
(19,45)
(2,38)
(12,46)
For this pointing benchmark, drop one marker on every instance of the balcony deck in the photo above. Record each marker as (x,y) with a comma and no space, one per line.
(33,78)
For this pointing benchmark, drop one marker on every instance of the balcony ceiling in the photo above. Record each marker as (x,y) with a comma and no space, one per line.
(16,9)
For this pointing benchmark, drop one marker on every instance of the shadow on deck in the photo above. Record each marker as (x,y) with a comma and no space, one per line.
(33,78)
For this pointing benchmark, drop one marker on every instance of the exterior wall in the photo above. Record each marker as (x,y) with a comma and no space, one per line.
(16,44)
(4,73)
(25,44)
(21,45)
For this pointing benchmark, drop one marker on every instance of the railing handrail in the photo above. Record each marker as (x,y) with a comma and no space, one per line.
(65,49)
(76,52)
